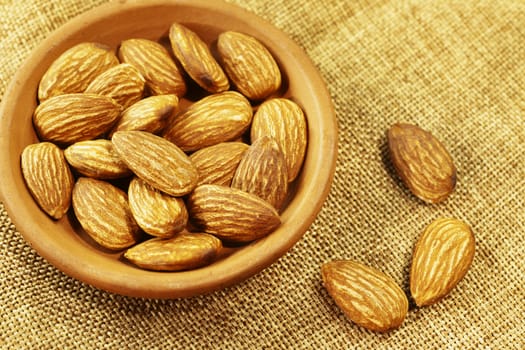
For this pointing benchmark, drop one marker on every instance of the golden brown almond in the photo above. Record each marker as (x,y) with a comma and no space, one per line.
(249,65)
(157,213)
(181,252)
(367,296)
(231,214)
(123,83)
(262,171)
(422,162)
(66,119)
(149,114)
(283,120)
(157,161)
(48,177)
(154,62)
(197,60)
(214,119)
(74,69)
(96,159)
(103,212)
(441,258)
(216,164)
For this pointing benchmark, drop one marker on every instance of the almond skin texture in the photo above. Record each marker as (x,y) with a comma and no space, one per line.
(66,119)
(182,252)
(48,177)
(72,71)
(157,213)
(96,159)
(154,62)
(123,83)
(157,161)
(249,65)
(197,60)
(103,212)
(422,162)
(441,258)
(149,114)
(283,120)
(262,171)
(214,119)
(217,164)
(231,214)
(366,295)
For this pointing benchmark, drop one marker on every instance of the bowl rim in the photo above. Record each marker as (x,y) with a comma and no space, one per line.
(297,217)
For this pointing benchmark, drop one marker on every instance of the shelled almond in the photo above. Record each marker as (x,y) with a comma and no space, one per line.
(96,159)
(75,69)
(123,83)
(104,213)
(48,177)
(70,118)
(369,297)
(442,257)
(153,172)
(422,162)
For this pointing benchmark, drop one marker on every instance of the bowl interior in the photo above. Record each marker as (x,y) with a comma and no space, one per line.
(62,242)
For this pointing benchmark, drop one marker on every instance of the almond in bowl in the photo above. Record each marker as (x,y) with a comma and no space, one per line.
(153,150)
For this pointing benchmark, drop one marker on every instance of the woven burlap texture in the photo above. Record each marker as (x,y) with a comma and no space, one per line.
(455,68)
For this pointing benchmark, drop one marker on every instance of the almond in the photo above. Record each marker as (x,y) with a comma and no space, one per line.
(103,212)
(214,119)
(74,69)
(367,296)
(123,83)
(157,161)
(96,159)
(156,213)
(283,120)
(249,65)
(197,60)
(216,164)
(441,258)
(66,119)
(48,177)
(149,114)
(182,252)
(154,62)
(422,162)
(262,172)
(231,214)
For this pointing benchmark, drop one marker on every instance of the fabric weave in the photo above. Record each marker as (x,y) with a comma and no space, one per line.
(454,67)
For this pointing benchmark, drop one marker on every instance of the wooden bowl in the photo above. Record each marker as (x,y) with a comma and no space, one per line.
(64,245)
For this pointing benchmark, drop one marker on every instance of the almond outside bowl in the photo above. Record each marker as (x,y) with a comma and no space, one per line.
(63,244)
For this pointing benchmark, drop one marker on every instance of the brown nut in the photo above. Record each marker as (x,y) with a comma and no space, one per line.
(441,258)
(366,295)
(74,69)
(249,64)
(422,162)
(197,60)
(181,252)
(103,212)
(48,177)
(157,161)
(231,214)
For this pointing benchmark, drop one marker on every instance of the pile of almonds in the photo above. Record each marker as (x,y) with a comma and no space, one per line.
(441,257)
(168,186)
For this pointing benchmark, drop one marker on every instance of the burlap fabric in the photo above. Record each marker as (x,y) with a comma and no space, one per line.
(456,68)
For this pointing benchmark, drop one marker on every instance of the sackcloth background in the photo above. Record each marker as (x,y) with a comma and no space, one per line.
(454,67)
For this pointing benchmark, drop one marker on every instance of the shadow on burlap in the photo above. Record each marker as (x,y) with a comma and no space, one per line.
(455,68)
